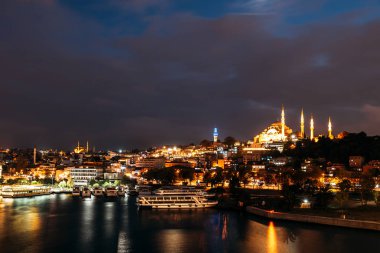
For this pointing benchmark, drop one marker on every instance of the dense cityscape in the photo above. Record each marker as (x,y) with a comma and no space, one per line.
(320,169)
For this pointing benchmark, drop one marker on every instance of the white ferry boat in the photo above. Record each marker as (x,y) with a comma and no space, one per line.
(175,201)
(24,191)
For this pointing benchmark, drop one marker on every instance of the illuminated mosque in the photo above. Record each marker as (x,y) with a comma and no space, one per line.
(279,132)
(78,149)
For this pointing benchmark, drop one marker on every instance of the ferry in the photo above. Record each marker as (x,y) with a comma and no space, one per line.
(86,193)
(176,198)
(110,192)
(97,192)
(76,192)
(175,201)
(24,191)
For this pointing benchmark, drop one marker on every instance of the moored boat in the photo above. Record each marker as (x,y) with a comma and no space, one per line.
(97,192)
(86,192)
(121,191)
(176,198)
(24,191)
(175,202)
(76,192)
(110,192)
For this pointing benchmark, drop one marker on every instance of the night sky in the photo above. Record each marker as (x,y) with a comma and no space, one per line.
(137,73)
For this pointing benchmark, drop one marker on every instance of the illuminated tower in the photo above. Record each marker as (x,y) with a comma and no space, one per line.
(215,134)
(283,123)
(34,155)
(302,125)
(331,136)
(311,128)
(87,147)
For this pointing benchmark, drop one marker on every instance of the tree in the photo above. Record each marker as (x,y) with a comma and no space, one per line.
(206,143)
(323,197)
(186,173)
(289,192)
(367,184)
(229,141)
(342,195)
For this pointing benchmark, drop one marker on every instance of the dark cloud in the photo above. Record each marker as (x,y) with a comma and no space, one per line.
(65,77)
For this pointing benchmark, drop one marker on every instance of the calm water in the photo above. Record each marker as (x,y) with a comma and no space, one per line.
(59,223)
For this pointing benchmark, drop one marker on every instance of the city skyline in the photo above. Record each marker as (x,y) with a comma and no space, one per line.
(144,73)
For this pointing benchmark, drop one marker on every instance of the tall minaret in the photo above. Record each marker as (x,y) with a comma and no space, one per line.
(331,136)
(87,147)
(283,122)
(215,134)
(302,125)
(34,155)
(311,128)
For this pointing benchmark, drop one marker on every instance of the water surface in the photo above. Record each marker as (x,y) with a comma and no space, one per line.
(60,223)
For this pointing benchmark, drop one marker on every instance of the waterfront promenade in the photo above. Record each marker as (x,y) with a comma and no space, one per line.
(348,223)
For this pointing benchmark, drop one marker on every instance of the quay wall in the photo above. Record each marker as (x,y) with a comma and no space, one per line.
(360,224)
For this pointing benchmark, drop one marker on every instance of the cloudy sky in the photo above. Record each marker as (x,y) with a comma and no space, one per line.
(137,73)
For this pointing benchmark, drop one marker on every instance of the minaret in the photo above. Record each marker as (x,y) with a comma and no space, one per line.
(87,147)
(311,128)
(302,125)
(283,122)
(331,136)
(34,155)
(215,134)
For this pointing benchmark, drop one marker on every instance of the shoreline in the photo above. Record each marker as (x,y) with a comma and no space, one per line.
(337,222)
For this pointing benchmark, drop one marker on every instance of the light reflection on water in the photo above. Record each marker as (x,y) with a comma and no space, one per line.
(271,238)
(59,223)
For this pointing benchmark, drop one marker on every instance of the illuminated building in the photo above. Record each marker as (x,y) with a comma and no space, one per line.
(150,163)
(215,134)
(82,176)
(276,132)
(79,149)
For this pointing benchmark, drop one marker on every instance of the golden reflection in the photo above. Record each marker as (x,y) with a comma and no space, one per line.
(271,238)
(224,231)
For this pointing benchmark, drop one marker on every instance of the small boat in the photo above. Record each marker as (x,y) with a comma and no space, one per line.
(86,193)
(121,191)
(24,191)
(97,192)
(110,192)
(76,191)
